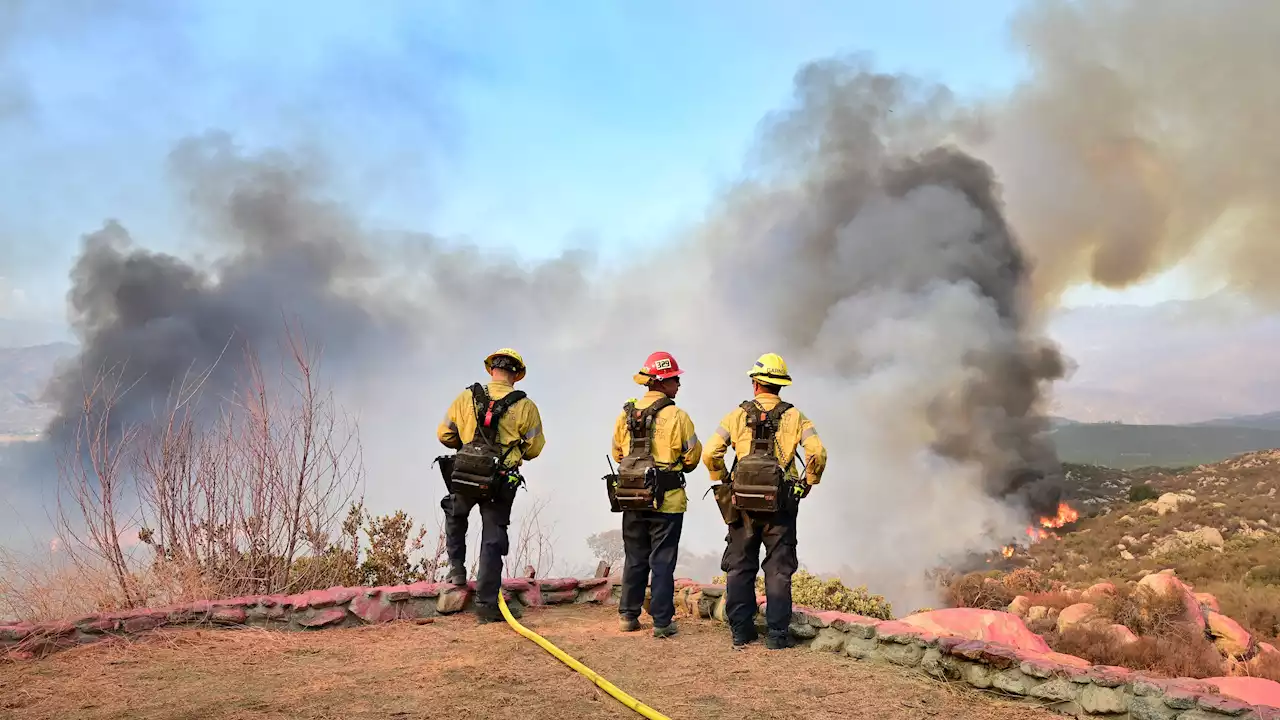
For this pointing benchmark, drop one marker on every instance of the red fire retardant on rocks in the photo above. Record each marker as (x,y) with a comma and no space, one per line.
(1255,691)
(974,624)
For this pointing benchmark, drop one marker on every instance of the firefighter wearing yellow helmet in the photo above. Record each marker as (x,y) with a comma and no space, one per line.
(760,498)
(494,429)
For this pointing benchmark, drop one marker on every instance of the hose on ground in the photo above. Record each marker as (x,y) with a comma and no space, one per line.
(592,675)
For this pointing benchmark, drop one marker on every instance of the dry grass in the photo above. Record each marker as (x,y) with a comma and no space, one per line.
(1179,652)
(457,668)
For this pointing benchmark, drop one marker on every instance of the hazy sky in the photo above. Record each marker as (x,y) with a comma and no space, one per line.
(530,125)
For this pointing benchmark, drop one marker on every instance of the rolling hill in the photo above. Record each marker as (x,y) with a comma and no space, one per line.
(1122,446)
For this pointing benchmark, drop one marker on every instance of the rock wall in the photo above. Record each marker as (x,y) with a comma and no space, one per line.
(1063,683)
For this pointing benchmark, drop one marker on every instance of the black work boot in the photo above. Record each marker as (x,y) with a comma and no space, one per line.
(742,638)
(779,642)
(457,574)
(486,614)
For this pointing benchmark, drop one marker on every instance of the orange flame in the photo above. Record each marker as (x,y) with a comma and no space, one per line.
(1007,551)
(1066,514)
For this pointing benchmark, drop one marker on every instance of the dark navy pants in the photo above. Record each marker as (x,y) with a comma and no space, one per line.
(651,540)
(741,563)
(495,517)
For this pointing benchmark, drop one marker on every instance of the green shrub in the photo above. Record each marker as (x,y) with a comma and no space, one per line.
(813,592)
(1143,492)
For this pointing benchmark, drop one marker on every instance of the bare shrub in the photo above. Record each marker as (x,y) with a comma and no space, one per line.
(534,545)
(1027,581)
(1180,651)
(976,590)
(228,494)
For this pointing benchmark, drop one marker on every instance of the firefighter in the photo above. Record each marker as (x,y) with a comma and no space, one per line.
(778,430)
(493,426)
(651,492)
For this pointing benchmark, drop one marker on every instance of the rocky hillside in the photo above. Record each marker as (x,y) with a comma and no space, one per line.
(1217,526)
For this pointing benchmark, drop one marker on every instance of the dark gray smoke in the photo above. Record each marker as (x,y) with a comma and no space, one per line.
(153,324)
(881,263)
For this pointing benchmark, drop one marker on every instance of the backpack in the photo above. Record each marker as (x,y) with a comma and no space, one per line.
(757,479)
(641,484)
(478,464)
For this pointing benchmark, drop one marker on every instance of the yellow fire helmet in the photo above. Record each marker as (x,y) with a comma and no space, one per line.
(507,352)
(770,369)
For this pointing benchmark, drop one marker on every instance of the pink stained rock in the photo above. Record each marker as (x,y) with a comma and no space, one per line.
(974,624)
(517,585)
(1122,634)
(1166,583)
(558,584)
(142,623)
(589,583)
(426,589)
(320,618)
(1097,593)
(373,609)
(1228,635)
(14,633)
(1057,660)
(1076,615)
(396,593)
(1207,600)
(452,600)
(229,616)
(1255,691)
(330,597)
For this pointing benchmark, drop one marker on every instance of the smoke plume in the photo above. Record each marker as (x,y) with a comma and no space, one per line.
(898,246)
(156,325)
(1144,138)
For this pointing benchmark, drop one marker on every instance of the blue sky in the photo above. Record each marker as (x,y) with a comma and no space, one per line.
(530,125)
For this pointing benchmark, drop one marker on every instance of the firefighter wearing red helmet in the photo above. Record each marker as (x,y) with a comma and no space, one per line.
(654,444)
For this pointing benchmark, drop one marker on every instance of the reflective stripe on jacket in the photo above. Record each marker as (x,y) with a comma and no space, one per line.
(794,431)
(522,423)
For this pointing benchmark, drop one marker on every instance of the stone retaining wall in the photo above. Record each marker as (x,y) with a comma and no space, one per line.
(1063,683)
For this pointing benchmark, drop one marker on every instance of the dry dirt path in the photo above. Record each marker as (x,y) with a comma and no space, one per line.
(454,667)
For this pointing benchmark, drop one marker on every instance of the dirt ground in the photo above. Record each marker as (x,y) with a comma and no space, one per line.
(454,666)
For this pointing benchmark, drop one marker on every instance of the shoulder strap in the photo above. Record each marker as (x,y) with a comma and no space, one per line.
(640,422)
(764,424)
(489,412)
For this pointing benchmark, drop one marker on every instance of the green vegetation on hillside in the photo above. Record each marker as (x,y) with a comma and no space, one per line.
(1132,446)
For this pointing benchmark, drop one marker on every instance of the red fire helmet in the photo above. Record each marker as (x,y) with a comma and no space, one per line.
(658,366)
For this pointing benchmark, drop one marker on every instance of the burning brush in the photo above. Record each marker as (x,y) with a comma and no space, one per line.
(1066,515)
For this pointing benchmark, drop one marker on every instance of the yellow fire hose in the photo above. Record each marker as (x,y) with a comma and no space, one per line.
(607,686)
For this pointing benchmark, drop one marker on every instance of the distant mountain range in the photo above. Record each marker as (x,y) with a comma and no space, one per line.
(24,371)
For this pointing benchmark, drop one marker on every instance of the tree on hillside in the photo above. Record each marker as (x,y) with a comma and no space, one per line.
(607,546)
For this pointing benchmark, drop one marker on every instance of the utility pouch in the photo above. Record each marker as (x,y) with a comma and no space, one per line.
(724,501)
(611,487)
(446,471)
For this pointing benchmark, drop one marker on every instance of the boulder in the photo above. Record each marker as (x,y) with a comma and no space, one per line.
(1121,634)
(1097,593)
(1037,612)
(1169,502)
(1229,636)
(1020,606)
(1207,601)
(1165,583)
(974,624)
(1076,615)
(1252,690)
